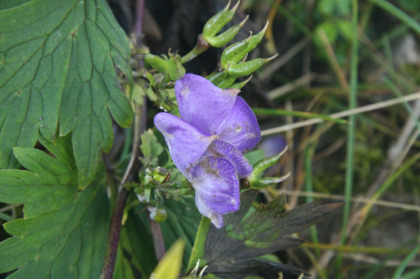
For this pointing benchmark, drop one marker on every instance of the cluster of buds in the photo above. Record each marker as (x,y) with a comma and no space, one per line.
(151,178)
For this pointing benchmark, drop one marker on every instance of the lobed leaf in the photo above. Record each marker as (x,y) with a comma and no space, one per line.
(57,66)
(64,231)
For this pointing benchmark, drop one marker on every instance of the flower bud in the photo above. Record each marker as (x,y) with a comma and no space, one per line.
(225,37)
(236,52)
(216,23)
(157,214)
(267,181)
(160,175)
(241,84)
(156,62)
(217,77)
(175,69)
(264,164)
(247,68)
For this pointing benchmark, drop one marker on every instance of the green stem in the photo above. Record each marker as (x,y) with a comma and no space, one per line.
(199,48)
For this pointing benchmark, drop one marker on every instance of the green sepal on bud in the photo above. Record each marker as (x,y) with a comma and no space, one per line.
(247,68)
(264,164)
(241,84)
(156,62)
(175,69)
(217,77)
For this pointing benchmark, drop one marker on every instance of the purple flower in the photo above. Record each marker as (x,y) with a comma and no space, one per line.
(207,142)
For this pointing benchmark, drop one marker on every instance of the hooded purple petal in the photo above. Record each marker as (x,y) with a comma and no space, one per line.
(202,104)
(240,128)
(223,149)
(186,144)
(217,188)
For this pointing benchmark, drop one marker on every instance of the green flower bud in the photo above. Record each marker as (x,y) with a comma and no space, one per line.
(175,69)
(227,36)
(264,164)
(236,52)
(231,54)
(241,84)
(156,62)
(226,83)
(247,68)
(267,181)
(217,77)
(216,23)
(160,175)
(157,214)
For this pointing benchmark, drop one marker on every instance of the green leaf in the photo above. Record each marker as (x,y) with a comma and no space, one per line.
(57,65)
(170,266)
(150,148)
(250,233)
(64,231)
(182,222)
(137,244)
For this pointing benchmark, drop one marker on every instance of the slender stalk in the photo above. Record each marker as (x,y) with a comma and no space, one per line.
(351,129)
(158,242)
(132,168)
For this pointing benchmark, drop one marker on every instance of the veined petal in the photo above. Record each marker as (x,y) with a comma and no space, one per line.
(202,104)
(223,149)
(186,144)
(217,187)
(240,128)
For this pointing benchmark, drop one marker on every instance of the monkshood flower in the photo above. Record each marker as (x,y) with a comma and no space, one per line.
(207,142)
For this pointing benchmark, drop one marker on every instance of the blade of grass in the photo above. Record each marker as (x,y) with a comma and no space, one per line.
(309,151)
(351,129)
(398,273)
(398,14)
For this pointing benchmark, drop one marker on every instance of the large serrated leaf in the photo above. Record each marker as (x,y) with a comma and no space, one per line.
(64,232)
(57,66)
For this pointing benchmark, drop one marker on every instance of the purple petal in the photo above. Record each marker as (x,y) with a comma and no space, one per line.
(240,127)
(216,218)
(217,187)
(186,144)
(202,104)
(223,149)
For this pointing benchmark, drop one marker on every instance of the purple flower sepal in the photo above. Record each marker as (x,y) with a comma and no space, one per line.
(207,142)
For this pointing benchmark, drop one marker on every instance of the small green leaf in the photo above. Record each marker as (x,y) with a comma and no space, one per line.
(170,266)
(150,148)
